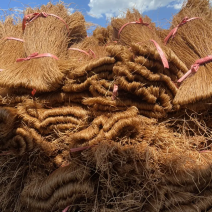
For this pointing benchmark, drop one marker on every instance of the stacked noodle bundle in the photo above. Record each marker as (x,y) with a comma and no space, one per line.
(17,138)
(139,37)
(147,75)
(111,127)
(37,124)
(65,186)
(47,120)
(92,79)
(180,43)
(132,158)
(42,74)
(27,139)
(190,44)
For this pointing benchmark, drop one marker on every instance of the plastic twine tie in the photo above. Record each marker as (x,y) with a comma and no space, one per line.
(66,209)
(205,151)
(6,153)
(36,55)
(174,31)
(31,17)
(134,22)
(195,67)
(79,149)
(33,92)
(115,91)
(92,53)
(12,38)
(88,53)
(161,53)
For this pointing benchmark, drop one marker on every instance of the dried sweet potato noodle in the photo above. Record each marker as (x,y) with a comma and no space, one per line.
(104,122)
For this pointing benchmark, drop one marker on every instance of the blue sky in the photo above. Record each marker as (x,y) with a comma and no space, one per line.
(100,11)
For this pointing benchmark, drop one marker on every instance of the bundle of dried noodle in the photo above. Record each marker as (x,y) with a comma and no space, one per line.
(11,42)
(42,74)
(195,35)
(27,139)
(7,124)
(47,120)
(66,186)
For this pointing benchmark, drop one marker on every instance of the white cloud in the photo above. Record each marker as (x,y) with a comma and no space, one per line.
(12,11)
(70,10)
(18,10)
(109,15)
(111,8)
(176,6)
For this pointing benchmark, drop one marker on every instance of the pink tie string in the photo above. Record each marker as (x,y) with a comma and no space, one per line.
(36,55)
(12,38)
(174,31)
(115,91)
(195,67)
(88,53)
(160,51)
(134,22)
(79,149)
(66,209)
(31,17)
